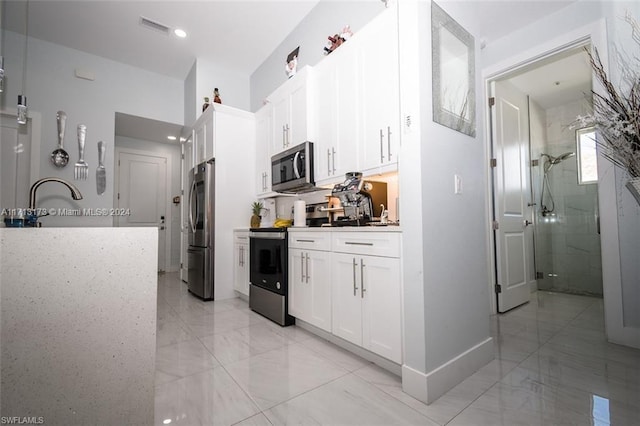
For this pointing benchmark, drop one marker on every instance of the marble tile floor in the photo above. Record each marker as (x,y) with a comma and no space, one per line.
(219,363)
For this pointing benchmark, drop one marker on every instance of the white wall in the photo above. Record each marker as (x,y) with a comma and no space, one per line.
(173,225)
(52,86)
(446,301)
(191,107)
(233,86)
(326,19)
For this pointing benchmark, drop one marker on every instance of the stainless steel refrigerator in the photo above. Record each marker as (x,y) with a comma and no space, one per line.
(200,254)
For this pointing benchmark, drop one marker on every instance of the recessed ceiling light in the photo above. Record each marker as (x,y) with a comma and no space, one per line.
(171,138)
(180,33)
(182,139)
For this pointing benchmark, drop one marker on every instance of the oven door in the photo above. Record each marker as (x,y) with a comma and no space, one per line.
(268,261)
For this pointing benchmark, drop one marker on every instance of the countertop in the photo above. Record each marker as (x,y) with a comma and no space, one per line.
(391,228)
(79,324)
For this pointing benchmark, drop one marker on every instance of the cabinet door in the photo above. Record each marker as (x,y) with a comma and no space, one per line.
(345,153)
(317,274)
(326,117)
(346,298)
(379,70)
(381,307)
(203,137)
(281,123)
(264,135)
(241,268)
(299,289)
(299,126)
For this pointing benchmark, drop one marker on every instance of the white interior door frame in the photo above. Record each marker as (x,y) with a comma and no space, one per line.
(168,215)
(595,34)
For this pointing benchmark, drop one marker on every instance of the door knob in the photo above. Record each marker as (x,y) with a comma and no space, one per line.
(527,223)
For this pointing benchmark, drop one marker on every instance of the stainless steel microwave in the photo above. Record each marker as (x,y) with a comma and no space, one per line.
(292,170)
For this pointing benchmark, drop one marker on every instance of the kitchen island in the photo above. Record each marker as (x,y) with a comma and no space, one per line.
(78,324)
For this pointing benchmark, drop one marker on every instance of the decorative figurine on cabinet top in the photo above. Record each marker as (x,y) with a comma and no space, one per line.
(292,63)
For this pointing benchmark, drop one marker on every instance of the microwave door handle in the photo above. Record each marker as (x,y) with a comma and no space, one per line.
(191,191)
(295,165)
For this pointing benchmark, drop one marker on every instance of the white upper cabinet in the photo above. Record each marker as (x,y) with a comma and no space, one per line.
(293,112)
(358,103)
(337,104)
(203,136)
(380,94)
(264,137)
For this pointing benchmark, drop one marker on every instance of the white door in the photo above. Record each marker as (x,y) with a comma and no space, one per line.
(512,195)
(142,183)
(15,162)
(346,298)
(187,165)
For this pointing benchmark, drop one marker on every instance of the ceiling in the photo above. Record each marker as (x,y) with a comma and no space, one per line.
(135,127)
(238,34)
(560,79)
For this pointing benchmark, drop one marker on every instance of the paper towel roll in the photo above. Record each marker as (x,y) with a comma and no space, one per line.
(299,213)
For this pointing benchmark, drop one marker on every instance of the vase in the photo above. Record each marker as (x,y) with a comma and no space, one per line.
(633,185)
(255,221)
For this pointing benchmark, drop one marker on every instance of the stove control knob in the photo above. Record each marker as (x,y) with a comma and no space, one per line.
(278,285)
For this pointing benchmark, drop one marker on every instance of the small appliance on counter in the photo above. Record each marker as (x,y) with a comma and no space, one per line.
(360,200)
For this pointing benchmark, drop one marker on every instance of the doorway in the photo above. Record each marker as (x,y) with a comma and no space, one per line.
(548,188)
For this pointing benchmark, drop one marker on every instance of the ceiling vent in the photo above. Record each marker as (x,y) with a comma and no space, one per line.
(153,25)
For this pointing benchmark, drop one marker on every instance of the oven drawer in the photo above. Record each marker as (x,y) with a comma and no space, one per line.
(367,243)
(310,240)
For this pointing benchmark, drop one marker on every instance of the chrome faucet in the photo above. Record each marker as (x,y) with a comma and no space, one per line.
(75,193)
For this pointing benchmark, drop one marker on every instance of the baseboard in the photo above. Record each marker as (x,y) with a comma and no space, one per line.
(427,387)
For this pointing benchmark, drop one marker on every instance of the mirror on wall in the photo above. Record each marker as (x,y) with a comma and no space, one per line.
(453,79)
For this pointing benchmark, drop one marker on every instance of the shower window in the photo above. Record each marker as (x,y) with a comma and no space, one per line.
(587,156)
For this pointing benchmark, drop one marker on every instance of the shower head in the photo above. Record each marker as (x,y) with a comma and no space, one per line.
(563,157)
(555,160)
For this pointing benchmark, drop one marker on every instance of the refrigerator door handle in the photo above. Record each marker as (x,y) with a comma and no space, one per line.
(191,221)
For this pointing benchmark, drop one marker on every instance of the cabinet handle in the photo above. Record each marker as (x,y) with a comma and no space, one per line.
(362,289)
(355,289)
(302,267)
(328,162)
(305,241)
(283,136)
(333,159)
(389,141)
(353,243)
(287,133)
(381,147)
(240,256)
(264,181)
(307,256)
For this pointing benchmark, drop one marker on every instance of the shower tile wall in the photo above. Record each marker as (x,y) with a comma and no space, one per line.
(567,243)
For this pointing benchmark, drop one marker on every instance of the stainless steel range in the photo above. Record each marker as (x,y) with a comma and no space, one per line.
(268,289)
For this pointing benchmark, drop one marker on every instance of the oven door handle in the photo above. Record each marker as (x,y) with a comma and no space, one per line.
(296,172)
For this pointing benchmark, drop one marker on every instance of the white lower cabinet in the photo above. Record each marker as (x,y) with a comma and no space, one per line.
(349,284)
(310,287)
(241,262)
(367,303)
